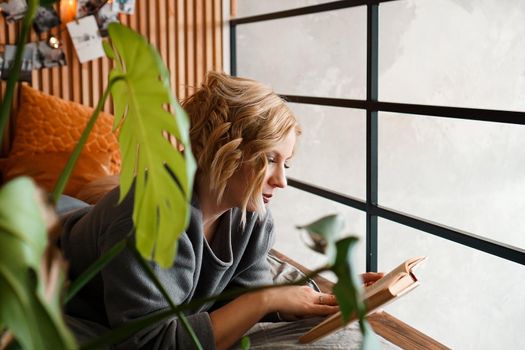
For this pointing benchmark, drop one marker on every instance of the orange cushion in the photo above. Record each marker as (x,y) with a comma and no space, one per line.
(47,130)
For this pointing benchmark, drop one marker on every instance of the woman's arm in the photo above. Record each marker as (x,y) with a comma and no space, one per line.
(231,321)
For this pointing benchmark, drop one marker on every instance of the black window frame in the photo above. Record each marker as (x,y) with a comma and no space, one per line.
(372,106)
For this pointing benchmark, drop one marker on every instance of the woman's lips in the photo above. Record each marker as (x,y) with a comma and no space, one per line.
(266,198)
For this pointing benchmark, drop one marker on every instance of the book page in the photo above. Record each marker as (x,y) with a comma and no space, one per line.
(393,277)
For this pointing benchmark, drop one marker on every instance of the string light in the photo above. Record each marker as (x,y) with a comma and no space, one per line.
(53,42)
(68,10)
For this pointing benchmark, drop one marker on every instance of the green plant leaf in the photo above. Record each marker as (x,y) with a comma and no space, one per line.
(245,343)
(35,322)
(370,340)
(348,290)
(108,50)
(47,2)
(161,210)
(7,101)
(348,286)
(329,228)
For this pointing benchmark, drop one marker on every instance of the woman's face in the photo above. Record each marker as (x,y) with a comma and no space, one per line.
(275,175)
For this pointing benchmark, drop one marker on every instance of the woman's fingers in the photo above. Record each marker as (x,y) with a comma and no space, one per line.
(326,299)
(302,301)
(371,277)
(322,310)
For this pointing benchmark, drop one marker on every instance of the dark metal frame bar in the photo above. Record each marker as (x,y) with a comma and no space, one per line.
(330,6)
(373,106)
(372,78)
(476,114)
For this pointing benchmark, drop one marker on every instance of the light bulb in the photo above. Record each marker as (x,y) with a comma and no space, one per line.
(53,42)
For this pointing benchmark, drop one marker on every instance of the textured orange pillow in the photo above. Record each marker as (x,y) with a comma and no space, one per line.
(47,130)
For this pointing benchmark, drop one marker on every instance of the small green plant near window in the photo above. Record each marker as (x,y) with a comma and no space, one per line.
(31,273)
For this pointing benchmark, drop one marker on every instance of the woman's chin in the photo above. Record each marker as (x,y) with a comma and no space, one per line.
(254,208)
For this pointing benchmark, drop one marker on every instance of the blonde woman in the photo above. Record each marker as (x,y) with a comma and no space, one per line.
(243,136)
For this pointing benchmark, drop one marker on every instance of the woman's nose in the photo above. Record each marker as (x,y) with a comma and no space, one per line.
(278,178)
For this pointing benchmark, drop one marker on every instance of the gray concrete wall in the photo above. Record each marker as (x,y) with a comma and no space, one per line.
(465,174)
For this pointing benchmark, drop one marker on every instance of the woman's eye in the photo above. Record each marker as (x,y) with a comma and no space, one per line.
(271,160)
(286,166)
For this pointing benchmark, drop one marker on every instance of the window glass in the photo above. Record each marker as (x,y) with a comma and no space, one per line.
(450,52)
(247,8)
(467,299)
(464,174)
(331,152)
(321,54)
(292,207)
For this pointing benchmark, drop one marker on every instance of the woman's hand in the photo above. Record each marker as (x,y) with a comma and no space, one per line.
(296,302)
(370,278)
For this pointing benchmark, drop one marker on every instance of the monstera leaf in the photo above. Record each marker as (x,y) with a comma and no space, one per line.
(162,176)
(29,309)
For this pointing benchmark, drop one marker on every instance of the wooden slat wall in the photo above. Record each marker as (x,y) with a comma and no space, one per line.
(187,33)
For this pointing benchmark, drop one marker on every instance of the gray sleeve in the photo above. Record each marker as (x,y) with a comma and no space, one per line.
(129,294)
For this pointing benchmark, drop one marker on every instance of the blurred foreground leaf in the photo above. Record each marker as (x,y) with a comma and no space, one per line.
(348,290)
(29,308)
(348,286)
(245,343)
(325,232)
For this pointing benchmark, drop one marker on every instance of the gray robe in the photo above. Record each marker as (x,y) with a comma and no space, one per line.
(236,257)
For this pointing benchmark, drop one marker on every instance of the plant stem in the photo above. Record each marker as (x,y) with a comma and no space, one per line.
(14,71)
(68,169)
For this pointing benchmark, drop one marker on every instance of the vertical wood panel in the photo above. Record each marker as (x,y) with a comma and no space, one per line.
(152,24)
(95,78)
(84,85)
(181,47)
(199,41)
(172,48)
(208,35)
(217,35)
(46,81)
(187,33)
(189,46)
(162,31)
(76,82)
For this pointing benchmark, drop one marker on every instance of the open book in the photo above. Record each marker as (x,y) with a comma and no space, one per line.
(394,284)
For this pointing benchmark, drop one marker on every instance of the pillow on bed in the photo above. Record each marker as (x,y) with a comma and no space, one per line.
(47,130)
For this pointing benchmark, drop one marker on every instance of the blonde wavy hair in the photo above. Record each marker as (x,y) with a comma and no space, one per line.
(236,121)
